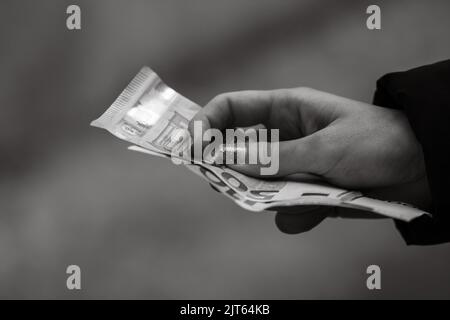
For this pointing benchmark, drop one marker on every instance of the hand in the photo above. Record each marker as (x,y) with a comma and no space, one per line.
(348,143)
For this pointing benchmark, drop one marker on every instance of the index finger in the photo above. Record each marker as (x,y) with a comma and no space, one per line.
(235,109)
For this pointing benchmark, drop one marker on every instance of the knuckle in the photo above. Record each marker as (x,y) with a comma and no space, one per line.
(221,99)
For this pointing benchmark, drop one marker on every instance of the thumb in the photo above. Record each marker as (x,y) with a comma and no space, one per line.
(278,159)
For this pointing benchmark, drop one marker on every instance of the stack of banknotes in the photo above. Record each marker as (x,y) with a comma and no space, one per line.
(151,116)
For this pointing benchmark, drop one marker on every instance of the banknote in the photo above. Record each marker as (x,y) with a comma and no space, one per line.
(154,118)
(148,113)
(278,193)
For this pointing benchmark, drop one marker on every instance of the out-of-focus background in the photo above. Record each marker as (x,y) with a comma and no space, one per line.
(140,227)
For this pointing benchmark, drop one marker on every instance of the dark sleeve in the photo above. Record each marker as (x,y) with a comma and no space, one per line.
(424,95)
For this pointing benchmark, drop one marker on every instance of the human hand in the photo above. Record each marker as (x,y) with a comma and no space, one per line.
(346,142)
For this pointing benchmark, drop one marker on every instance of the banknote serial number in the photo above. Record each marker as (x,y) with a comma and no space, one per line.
(230,310)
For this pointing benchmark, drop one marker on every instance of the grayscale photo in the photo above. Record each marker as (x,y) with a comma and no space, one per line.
(231,157)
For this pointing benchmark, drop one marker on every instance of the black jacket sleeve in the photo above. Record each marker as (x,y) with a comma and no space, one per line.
(424,95)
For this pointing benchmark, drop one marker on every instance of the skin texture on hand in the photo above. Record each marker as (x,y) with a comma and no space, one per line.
(348,143)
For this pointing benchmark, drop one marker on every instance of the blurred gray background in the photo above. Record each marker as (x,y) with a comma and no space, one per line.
(140,227)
